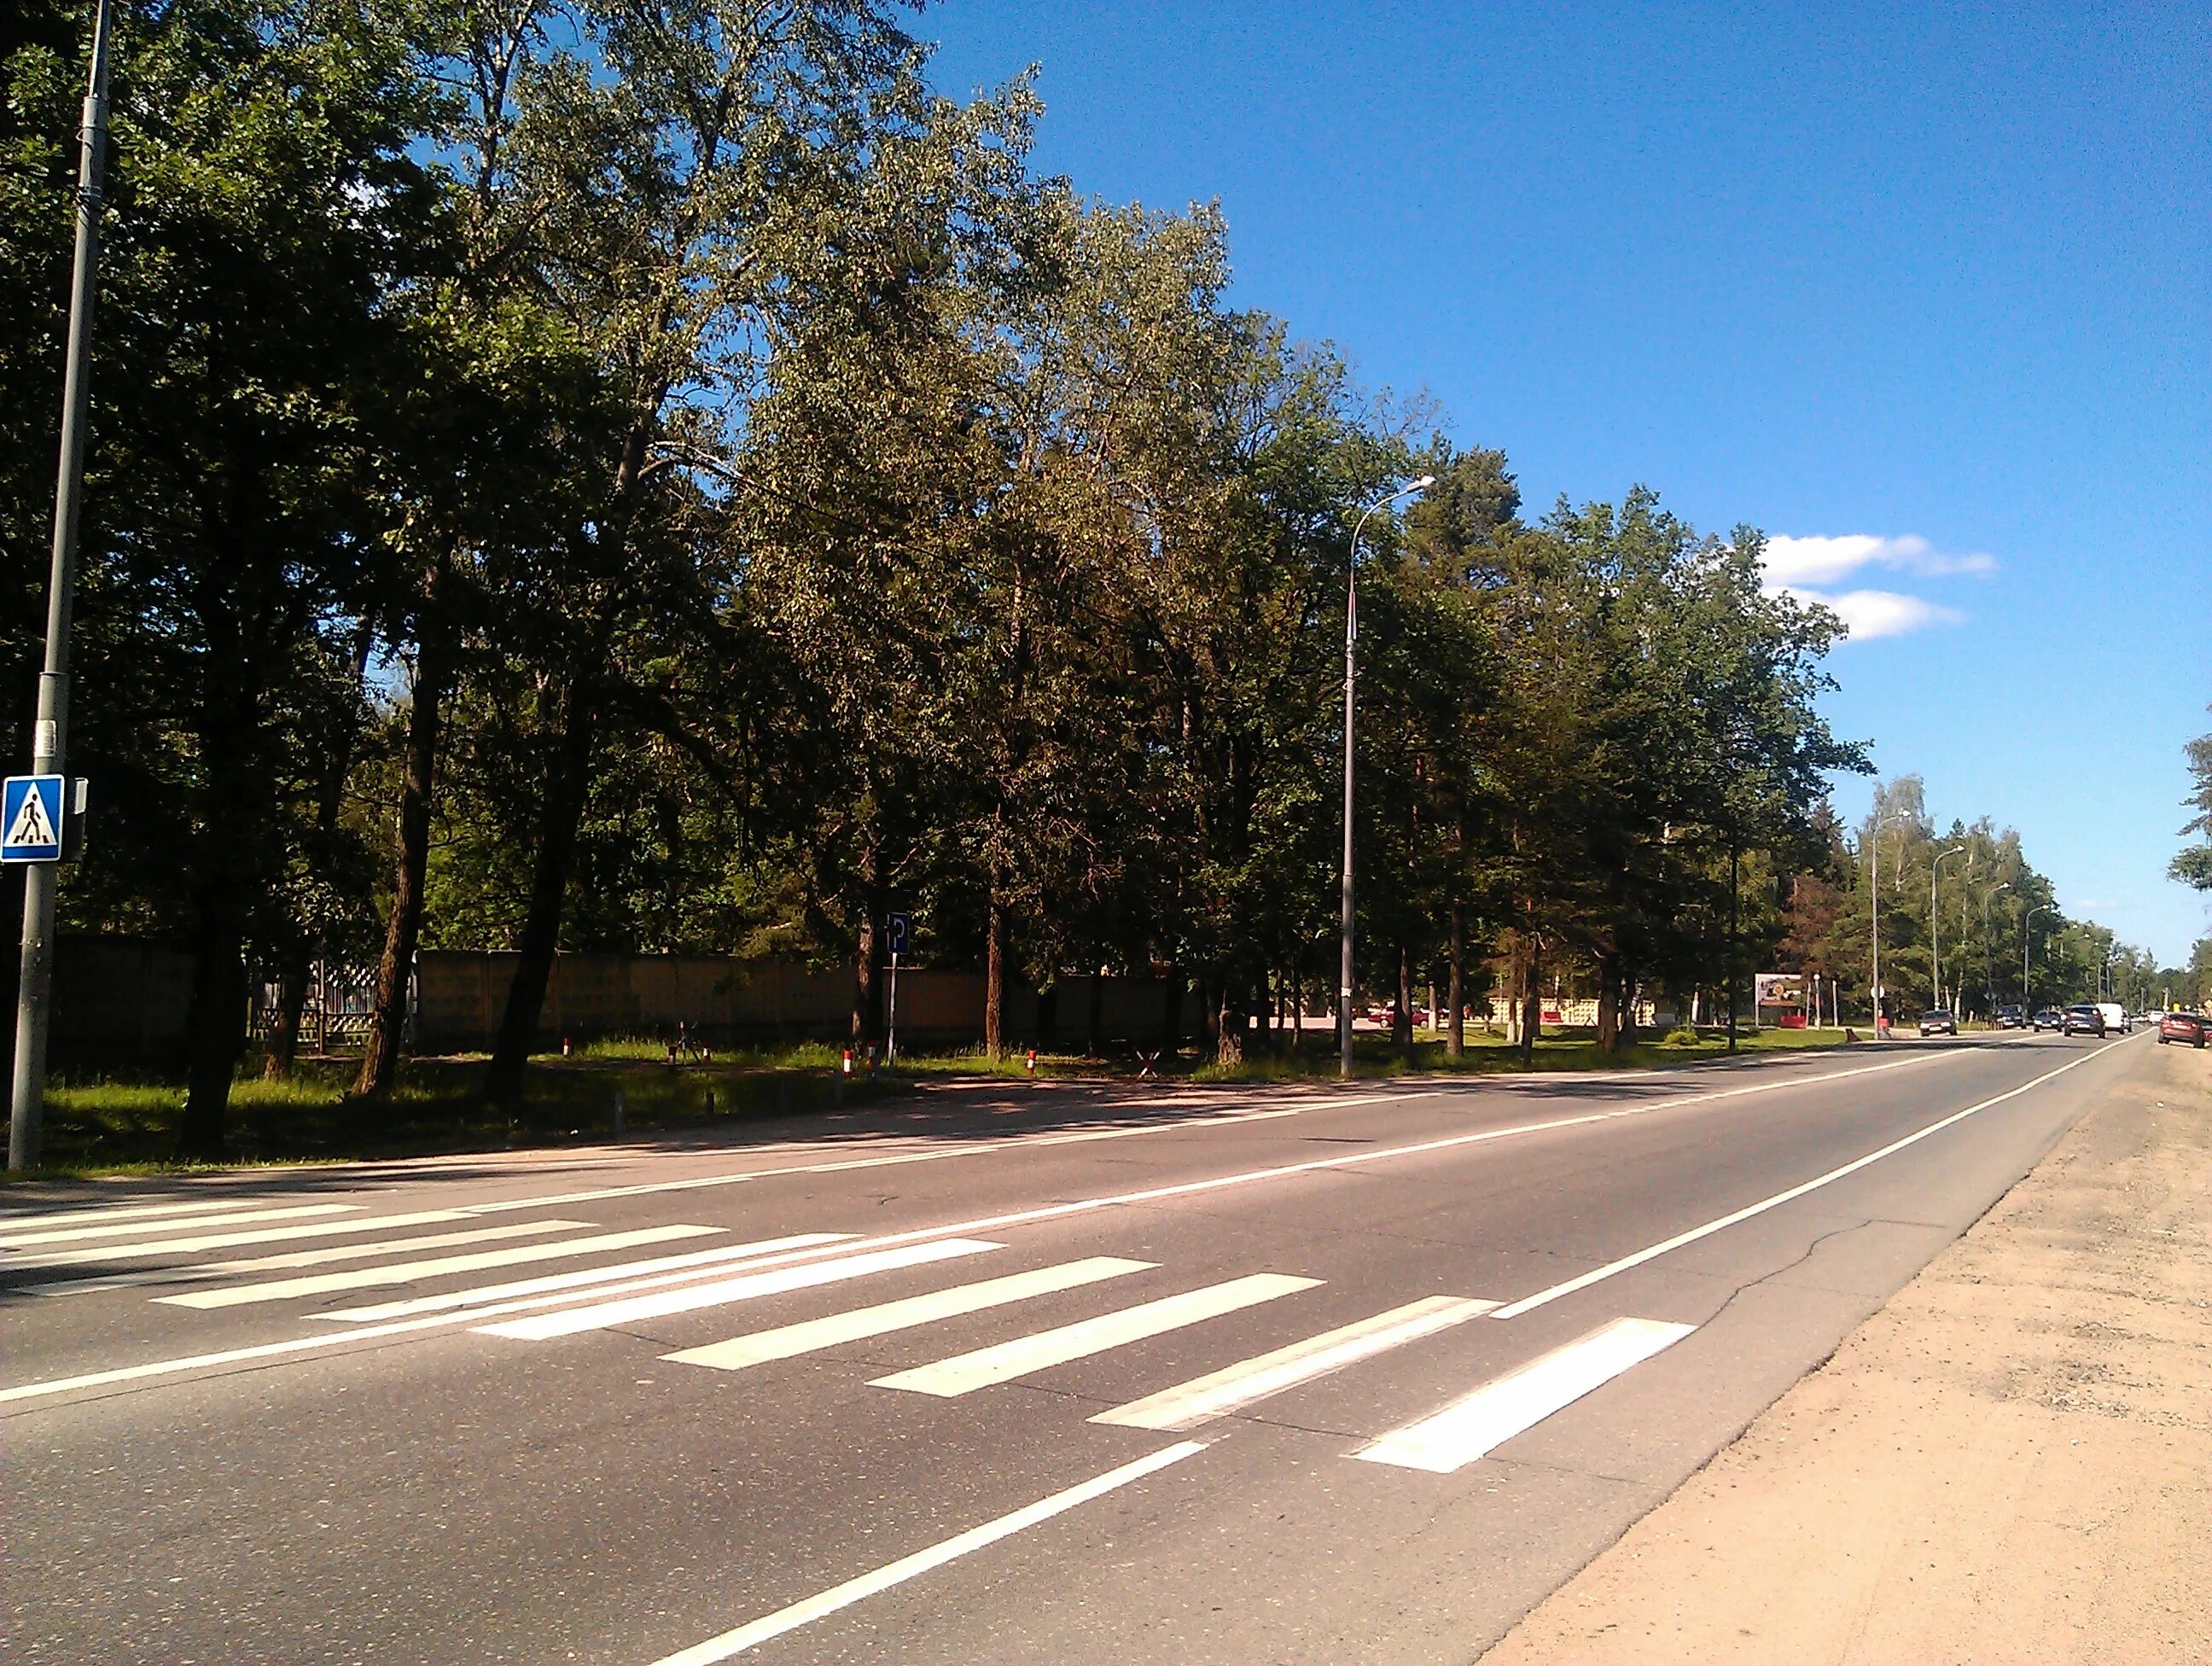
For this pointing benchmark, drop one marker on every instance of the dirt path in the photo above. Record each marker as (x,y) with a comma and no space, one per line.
(2011,1462)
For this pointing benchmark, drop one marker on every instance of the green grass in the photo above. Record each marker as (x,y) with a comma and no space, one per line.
(1490,1054)
(120,1123)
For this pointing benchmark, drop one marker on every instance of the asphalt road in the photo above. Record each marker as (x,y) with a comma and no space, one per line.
(1430,1348)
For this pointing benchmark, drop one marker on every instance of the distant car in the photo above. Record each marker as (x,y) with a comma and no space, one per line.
(2012,1017)
(1937,1021)
(2082,1020)
(2050,1019)
(2182,1027)
(2116,1017)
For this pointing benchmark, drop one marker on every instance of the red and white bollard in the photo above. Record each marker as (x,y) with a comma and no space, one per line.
(1030,1063)
(567,1046)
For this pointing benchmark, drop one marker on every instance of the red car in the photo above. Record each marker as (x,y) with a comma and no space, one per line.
(2182,1027)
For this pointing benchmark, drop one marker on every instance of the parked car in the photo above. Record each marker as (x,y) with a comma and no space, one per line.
(2182,1027)
(2082,1020)
(2012,1017)
(2050,1019)
(2116,1017)
(1936,1021)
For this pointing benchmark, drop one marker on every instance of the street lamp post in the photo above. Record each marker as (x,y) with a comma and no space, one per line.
(1351,681)
(1935,936)
(1989,983)
(50,732)
(1874,900)
(2026,996)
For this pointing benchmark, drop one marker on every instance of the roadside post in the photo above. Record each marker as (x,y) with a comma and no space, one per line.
(50,730)
(898,928)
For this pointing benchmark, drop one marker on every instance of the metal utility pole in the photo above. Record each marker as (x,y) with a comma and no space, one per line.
(1935,936)
(49,733)
(1351,681)
(1874,900)
(1989,981)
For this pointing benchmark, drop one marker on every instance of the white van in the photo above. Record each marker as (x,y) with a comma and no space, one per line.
(2116,1017)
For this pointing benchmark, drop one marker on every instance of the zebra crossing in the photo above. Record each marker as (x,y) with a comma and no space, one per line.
(621,1288)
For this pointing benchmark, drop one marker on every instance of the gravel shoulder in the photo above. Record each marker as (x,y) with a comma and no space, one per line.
(2011,1462)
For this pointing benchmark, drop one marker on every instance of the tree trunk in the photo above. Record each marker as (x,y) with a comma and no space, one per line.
(1532,1000)
(569,782)
(1609,1004)
(994,978)
(1401,1019)
(1455,988)
(1627,1009)
(281,1050)
(223,890)
(1731,948)
(1094,1017)
(867,1023)
(1171,1015)
(1229,1022)
(402,926)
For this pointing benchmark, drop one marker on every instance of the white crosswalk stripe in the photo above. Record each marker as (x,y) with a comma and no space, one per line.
(659,1271)
(225,1240)
(660,1304)
(336,1252)
(1249,1381)
(787,1340)
(39,1219)
(1516,1402)
(965,1373)
(363,1278)
(191,1224)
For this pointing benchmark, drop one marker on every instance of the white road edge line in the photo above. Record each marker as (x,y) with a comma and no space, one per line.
(1224,1119)
(1232,1388)
(804,1612)
(1464,1430)
(1597,1275)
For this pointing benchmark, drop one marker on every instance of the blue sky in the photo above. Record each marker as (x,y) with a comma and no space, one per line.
(1933,283)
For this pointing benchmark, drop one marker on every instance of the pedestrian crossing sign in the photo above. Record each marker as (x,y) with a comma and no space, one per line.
(31,819)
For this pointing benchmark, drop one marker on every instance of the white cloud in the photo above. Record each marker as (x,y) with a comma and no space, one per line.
(1872,613)
(1791,561)
(1806,567)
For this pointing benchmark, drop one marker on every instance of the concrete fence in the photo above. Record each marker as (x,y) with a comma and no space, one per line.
(123,999)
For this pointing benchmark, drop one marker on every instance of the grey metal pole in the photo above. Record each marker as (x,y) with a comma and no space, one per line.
(50,734)
(1350,680)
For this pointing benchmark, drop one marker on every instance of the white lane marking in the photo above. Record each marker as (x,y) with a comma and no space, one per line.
(936,1154)
(730,1643)
(34,1220)
(1249,1381)
(724,1291)
(1455,1437)
(158,1368)
(663,1270)
(966,1372)
(320,1229)
(1567,1287)
(1032,1142)
(787,1341)
(222,1270)
(191,1224)
(366,1278)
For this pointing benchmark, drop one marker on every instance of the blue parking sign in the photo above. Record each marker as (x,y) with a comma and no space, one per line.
(31,819)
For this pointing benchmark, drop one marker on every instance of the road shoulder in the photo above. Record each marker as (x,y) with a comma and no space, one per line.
(2012,1460)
